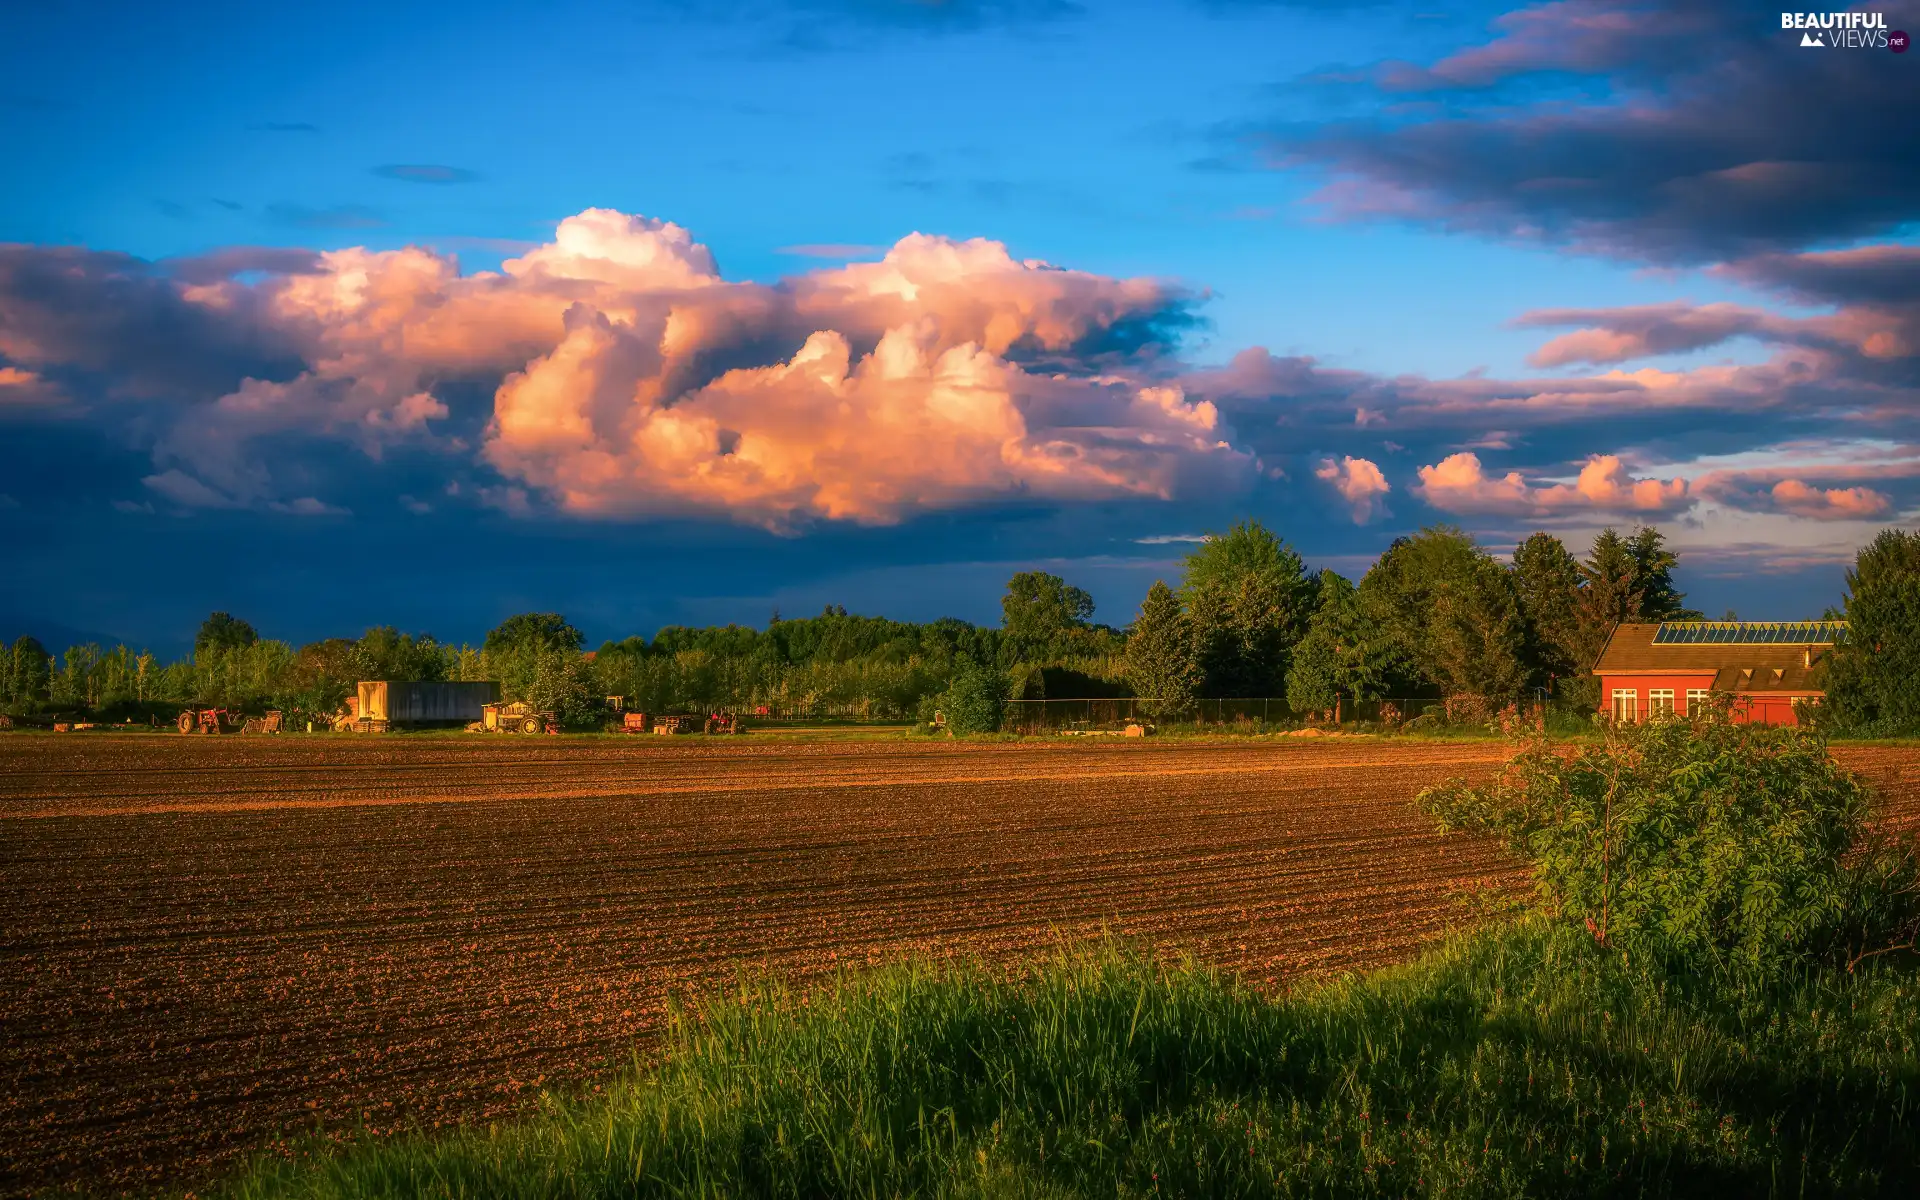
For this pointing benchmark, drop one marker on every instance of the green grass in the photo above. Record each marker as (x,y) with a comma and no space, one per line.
(1513,1062)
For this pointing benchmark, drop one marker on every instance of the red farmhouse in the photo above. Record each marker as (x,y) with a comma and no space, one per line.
(1649,671)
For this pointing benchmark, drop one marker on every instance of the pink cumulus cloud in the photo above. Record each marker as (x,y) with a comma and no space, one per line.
(1359,482)
(615,371)
(1829,504)
(1824,492)
(636,379)
(1458,483)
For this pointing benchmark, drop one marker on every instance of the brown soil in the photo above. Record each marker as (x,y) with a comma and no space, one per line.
(212,945)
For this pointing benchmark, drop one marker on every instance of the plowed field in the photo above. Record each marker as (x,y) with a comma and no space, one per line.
(206,944)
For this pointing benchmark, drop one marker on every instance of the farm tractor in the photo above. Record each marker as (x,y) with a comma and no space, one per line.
(227,720)
(517,717)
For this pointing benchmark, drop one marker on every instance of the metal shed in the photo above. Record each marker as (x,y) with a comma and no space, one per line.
(419,703)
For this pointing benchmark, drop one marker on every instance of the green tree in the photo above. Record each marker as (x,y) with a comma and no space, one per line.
(73,686)
(1477,637)
(1435,604)
(1249,597)
(323,675)
(1873,678)
(1546,579)
(223,631)
(976,700)
(1160,661)
(30,672)
(1631,579)
(1339,656)
(1653,566)
(383,652)
(534,632)
(1624,579)
(1246,548)
(1038,614)
(514,648)
(563,684)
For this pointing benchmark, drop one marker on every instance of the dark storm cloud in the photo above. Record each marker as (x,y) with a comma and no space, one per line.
(1713,135)
(1867,275)
(229,261)
(116,327)
(425,173)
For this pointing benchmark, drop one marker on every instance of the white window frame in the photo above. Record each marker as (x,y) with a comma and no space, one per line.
(1632,705)
(1697,699)
(1659,703)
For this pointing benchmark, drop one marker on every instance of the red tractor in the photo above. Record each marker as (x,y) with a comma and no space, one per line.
(209,720)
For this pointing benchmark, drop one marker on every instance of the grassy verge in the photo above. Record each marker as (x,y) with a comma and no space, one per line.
(1522,1061)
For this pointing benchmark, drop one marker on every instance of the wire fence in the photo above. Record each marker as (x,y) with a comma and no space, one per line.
(1255,712)
(817,712)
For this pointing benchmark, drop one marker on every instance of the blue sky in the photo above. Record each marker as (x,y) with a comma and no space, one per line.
(1386,190)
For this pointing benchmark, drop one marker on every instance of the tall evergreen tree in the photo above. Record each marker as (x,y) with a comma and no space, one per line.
(1873,679)
(1477,634)
(1653,566)
(1624,579)
(1546,577)
(1160,660)
(1338,657)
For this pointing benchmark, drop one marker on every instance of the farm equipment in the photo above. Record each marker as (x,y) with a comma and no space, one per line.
(208,720)
(633,722)
(683,723)
(273,722)
(517,717)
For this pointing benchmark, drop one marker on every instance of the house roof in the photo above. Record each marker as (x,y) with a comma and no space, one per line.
(1735,666)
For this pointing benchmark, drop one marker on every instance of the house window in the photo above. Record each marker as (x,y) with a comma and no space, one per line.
(1660,702)
(1697,701)
(1626,706)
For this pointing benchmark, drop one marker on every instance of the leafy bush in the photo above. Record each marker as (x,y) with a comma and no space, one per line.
(1719,848)
(975,700)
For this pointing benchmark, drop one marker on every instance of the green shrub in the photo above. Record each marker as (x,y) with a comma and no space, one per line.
(975,700)
(1715,848)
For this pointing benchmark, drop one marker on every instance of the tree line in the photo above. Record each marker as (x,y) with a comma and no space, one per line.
(1437,615)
